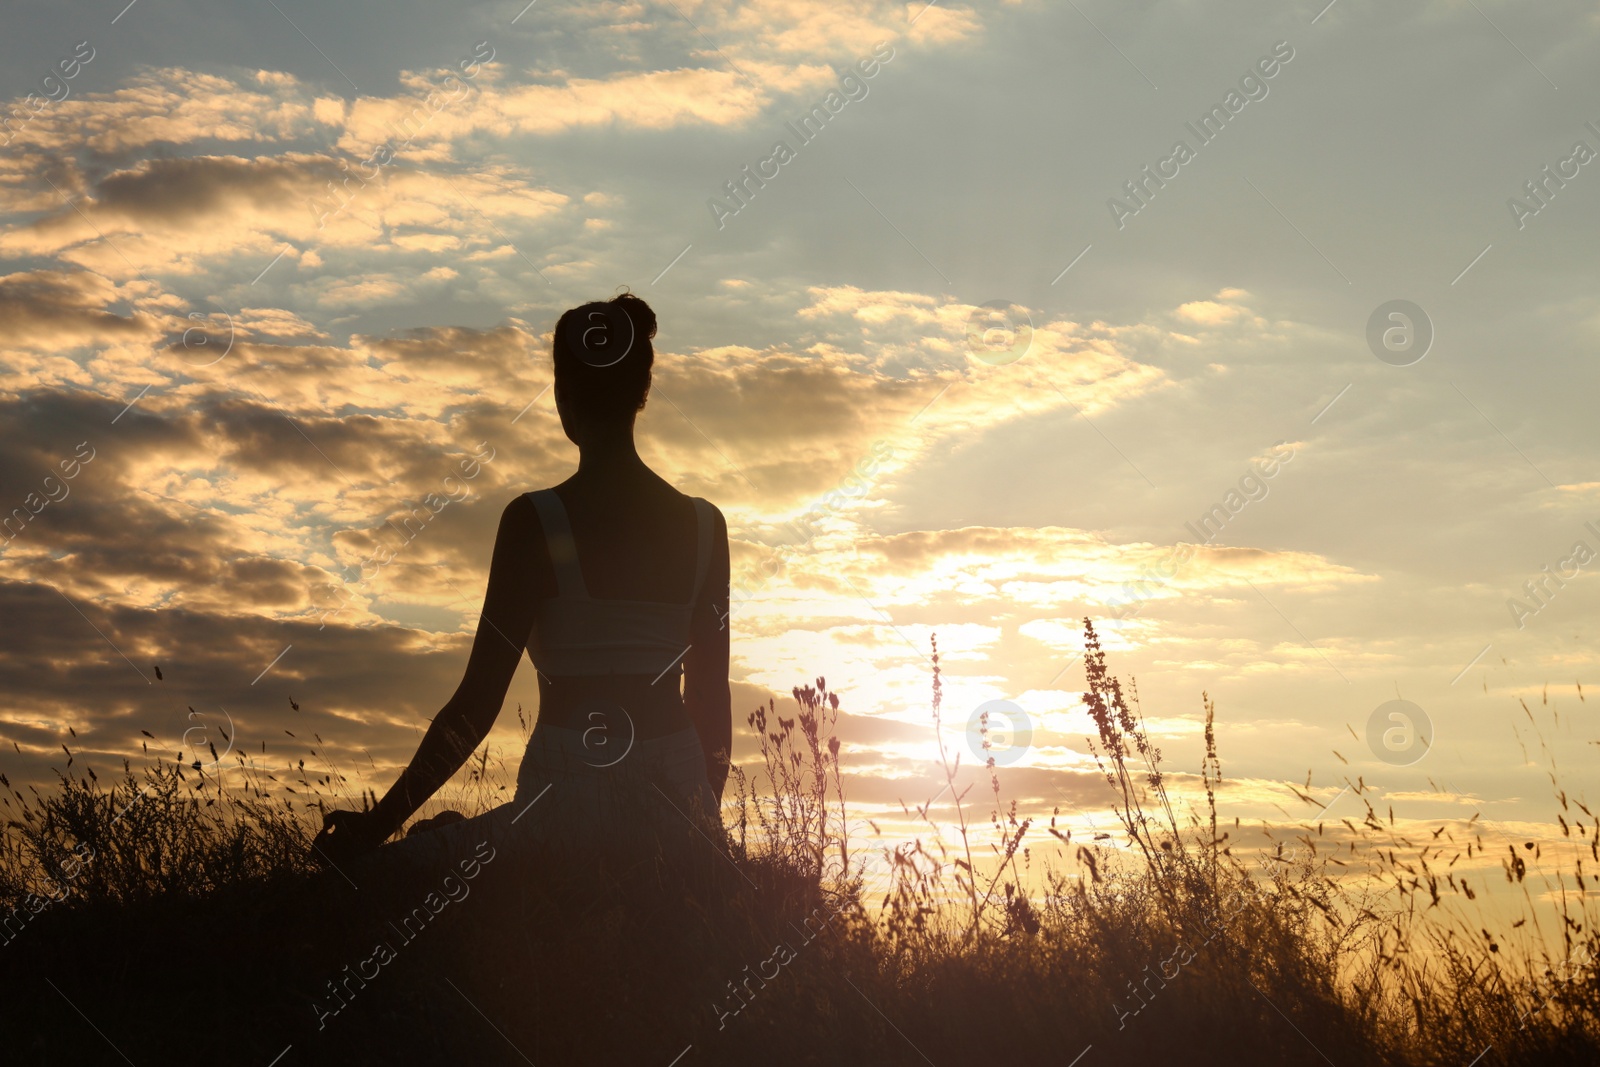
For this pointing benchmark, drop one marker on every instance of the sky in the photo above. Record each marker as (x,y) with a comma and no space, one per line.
(1255,332)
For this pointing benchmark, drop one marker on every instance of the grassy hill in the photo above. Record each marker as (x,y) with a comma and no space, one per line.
(167,915)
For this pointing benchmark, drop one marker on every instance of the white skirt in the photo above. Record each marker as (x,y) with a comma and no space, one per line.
(575,789)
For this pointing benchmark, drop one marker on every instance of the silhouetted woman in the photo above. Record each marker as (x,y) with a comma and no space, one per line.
(617,586)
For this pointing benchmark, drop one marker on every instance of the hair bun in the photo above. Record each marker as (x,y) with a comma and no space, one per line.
(643,318)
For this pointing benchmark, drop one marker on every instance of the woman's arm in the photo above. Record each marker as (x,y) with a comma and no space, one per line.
(465,719)
(705,665)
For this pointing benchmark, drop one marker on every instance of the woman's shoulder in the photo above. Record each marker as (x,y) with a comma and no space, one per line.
(702,506)
(717,517)
(521,515)
(522,503)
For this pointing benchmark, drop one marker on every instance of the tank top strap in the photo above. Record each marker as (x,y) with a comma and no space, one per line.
(563,549)
(705,525)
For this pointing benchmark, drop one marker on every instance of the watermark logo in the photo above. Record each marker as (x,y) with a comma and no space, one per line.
(1399,333)
(1542,588)
(1001,729)
(208,340)
(999,332)
(740,191)
(865,857)
(1544,186)
(1399,733)
(197,738)
(17,118)
(609,736)
(1252,86)
(54,489)
(605,338)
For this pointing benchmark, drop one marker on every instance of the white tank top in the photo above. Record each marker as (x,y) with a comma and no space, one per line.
(573,633)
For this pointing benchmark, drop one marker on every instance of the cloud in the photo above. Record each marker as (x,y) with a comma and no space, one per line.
(174,106)
(865,374)
(657,99)
(183,216)
(55,310)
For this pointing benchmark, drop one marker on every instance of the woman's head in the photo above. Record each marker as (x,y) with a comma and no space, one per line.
(603,356)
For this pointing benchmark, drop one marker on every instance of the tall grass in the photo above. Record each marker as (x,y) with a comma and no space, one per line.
(187,921)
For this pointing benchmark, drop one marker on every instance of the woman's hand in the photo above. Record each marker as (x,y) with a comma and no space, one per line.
(346,835)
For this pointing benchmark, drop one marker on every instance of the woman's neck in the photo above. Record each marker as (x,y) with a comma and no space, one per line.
(609,455)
